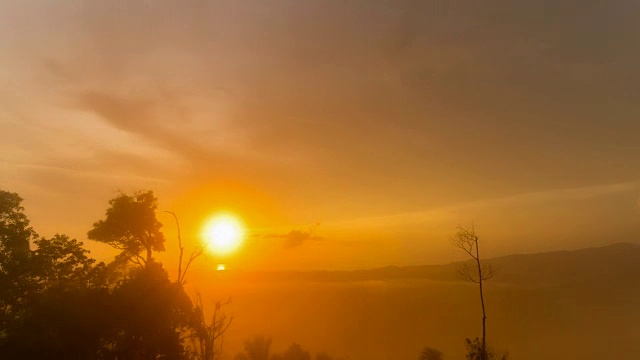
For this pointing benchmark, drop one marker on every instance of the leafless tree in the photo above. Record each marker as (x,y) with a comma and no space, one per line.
(183,272)
(466,239)
(207,338)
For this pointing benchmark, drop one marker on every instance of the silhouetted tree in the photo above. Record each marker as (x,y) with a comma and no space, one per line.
(130,225)
(15,275)
(206,337)
(150,313)
(57,304)
(430,354)
(467,240)
(256,348)
(60,259)
(64,321)
(323,356)
(295,352)
(50,292)
(478,351)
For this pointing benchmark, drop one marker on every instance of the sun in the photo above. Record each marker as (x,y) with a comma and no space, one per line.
(223,234)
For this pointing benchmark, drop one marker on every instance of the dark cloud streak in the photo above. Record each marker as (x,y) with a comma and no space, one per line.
(294,238)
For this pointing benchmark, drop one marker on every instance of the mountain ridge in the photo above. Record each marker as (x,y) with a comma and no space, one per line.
(535,269)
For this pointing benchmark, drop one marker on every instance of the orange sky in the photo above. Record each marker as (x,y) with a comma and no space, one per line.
(387,123)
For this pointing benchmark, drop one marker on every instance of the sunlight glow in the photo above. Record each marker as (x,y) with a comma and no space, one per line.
(221,267)
(223,234)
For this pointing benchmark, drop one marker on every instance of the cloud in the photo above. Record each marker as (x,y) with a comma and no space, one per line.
(295,238)
(139,117)
(523,200)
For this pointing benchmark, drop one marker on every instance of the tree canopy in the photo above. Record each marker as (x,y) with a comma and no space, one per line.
(430,354)
(130,225)
(15,237)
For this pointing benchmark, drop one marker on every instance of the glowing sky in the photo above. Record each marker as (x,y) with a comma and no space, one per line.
(379,125)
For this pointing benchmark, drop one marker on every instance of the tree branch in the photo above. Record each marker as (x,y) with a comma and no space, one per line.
(180,246)
(192,257)
(466,272)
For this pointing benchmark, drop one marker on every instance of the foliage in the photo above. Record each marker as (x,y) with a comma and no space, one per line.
(15,232)
(256,348)
(62,322)
(15,237)
(323,356)
(295,352)
(48,311)
(430,354)
(130,225)
(476,351)
(58,304)
(60,259)
(150,312)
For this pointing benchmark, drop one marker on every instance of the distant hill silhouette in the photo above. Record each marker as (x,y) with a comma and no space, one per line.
(617,262)
(595,265)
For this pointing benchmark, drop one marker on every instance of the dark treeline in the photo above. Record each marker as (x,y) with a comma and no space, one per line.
(259,348)
(58,303)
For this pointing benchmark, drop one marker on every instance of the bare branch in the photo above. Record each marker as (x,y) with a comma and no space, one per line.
(466,272)
(136,259)
(222,330)
(192,257)
(487,271)
(466,239)
(206,335)
(179,246)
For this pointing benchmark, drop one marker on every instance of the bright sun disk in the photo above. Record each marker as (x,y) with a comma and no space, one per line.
(223,234)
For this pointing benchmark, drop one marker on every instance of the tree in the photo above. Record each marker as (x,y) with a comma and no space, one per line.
(295,352)
(15,238)
(467,240)
(48,309)
(150,315)
(477,351)
(130,225)
(256,348)
(56,304)
(60,259)
(430,354)
(66,320)
(206,337)
(323,356)
(15,233)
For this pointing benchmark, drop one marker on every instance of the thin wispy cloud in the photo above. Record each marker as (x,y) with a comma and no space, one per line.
(585,192)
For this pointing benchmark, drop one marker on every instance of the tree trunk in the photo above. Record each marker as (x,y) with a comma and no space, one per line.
(484,314)
(148,255)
